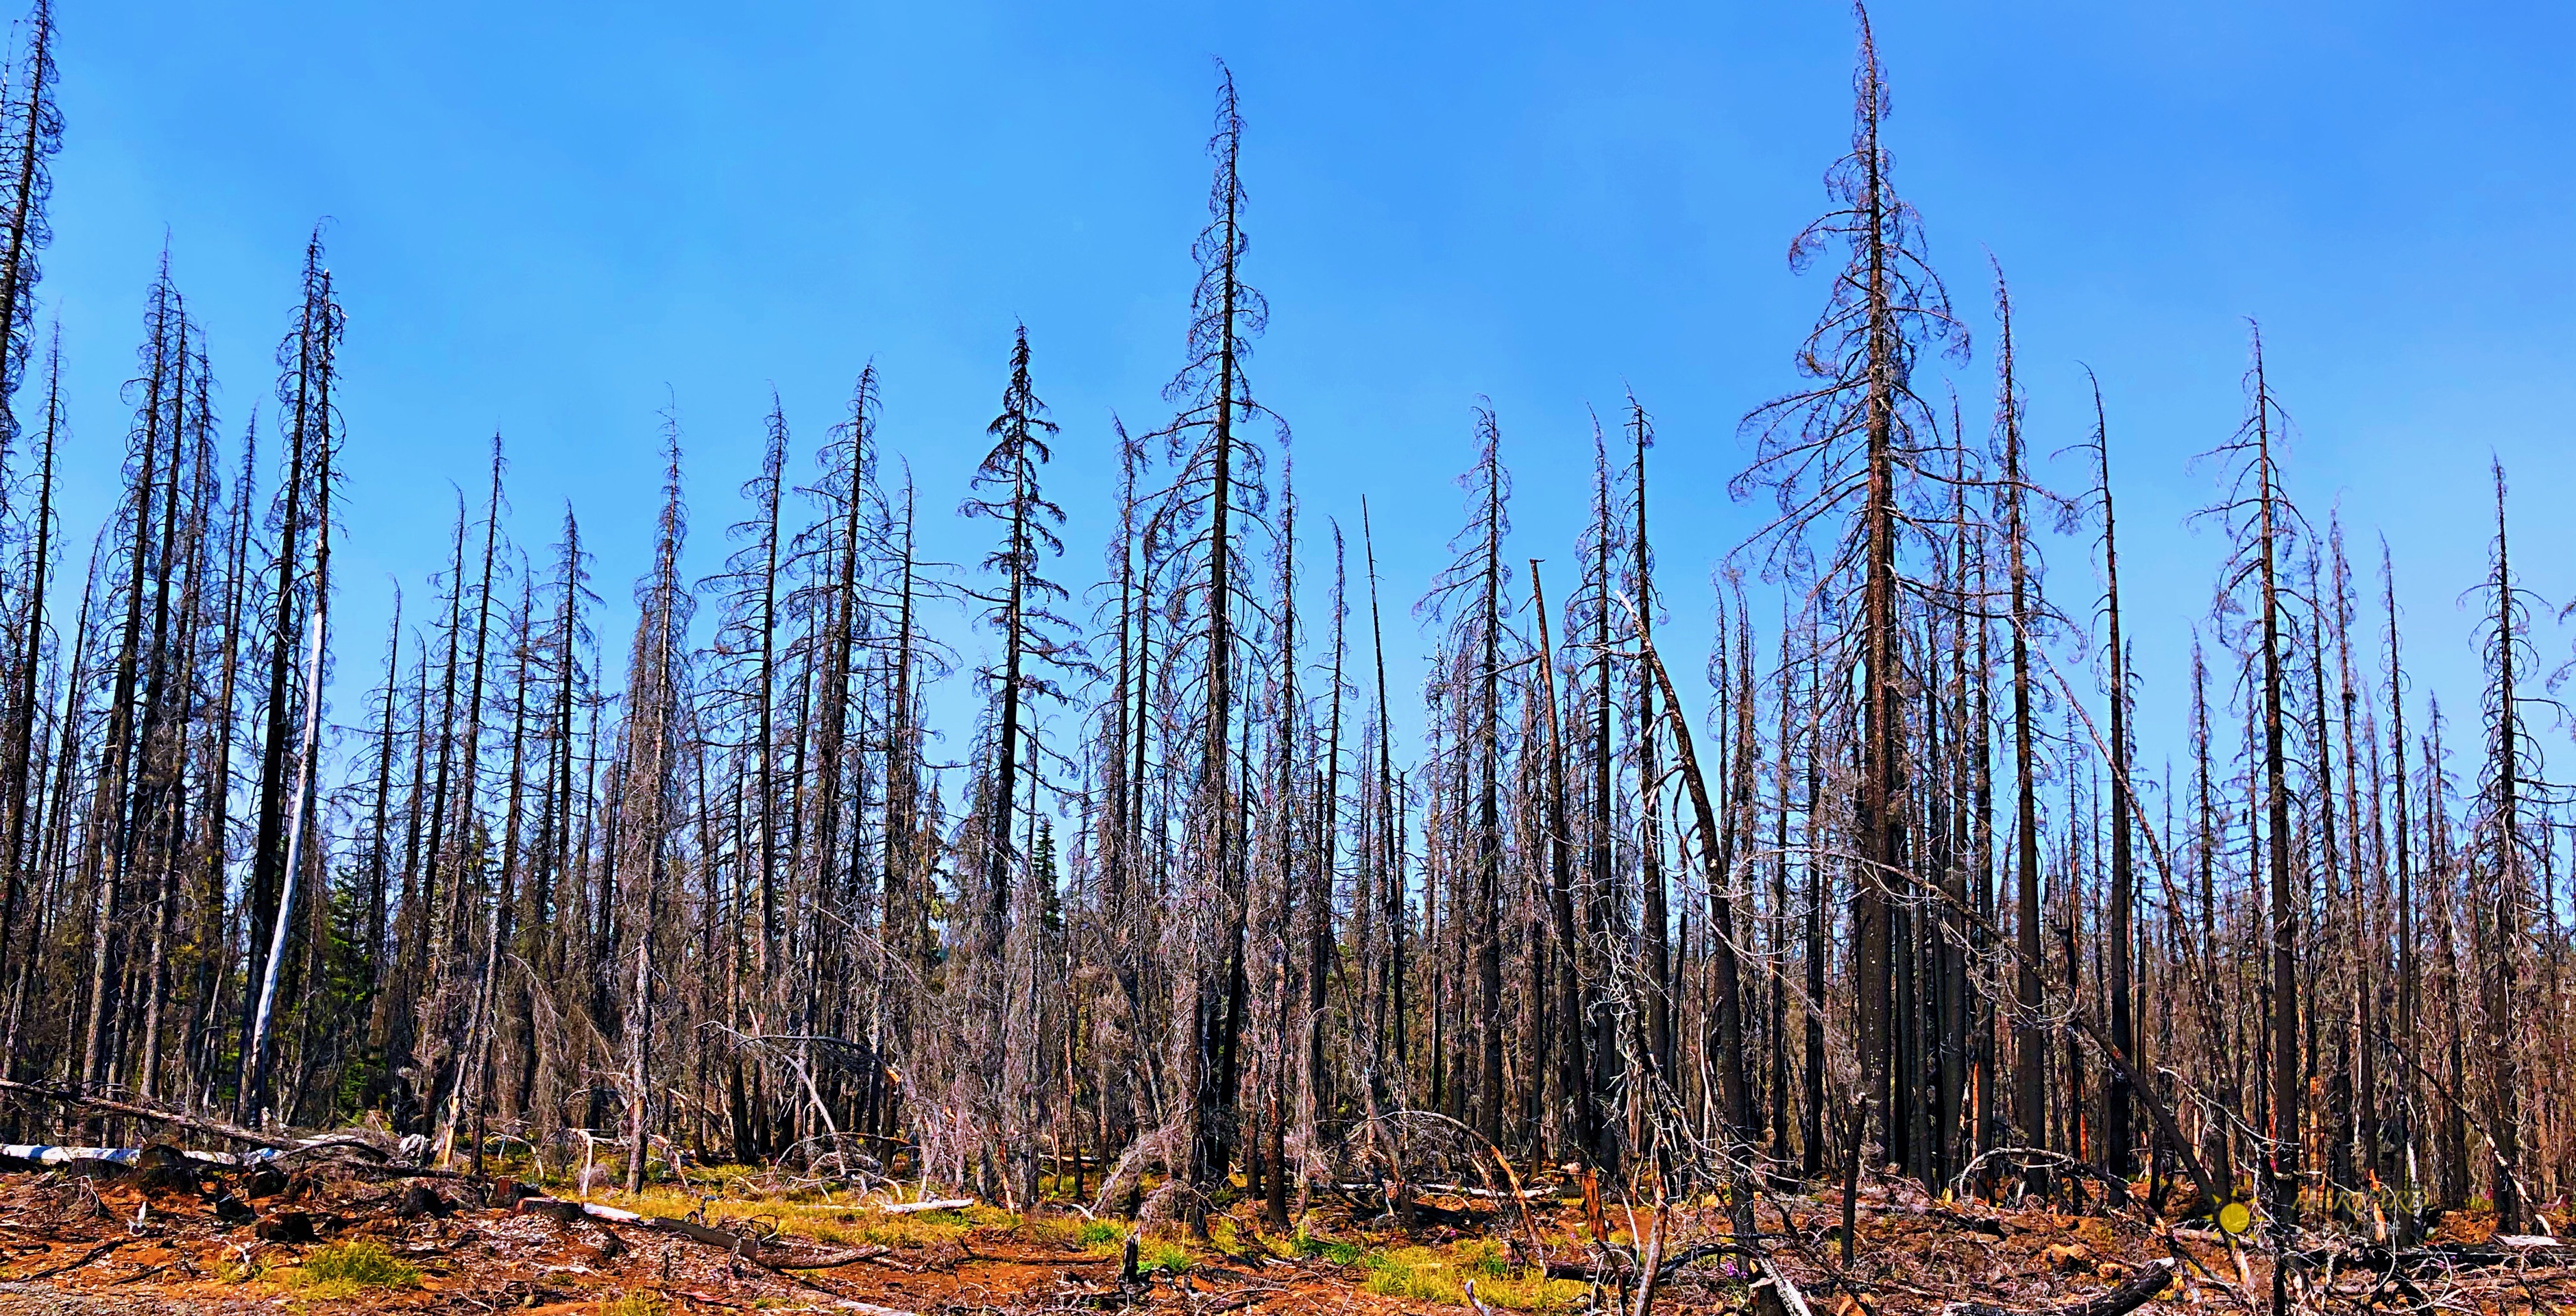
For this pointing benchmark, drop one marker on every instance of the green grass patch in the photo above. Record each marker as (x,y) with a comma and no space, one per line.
(1441,1275)
(1232,1235)
(1164,1255)
(930,1228)
(1073,1233)
(1327,1249)
(807,1216)
(337,1270)
(1488,1259)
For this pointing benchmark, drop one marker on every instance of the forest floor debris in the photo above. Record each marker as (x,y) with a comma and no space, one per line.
(170,1235)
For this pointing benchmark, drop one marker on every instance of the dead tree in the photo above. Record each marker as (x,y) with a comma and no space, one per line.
(26,676)
(1212,505)
(26,188)
(2402,845)
(2260,521)
(1035,653)
(1469,599)
(2030,1045)
(2119,934)
(1843,459)
(2504,854)
(307,359)
(649,804)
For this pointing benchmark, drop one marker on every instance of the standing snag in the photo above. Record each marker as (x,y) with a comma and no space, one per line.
(1844,459)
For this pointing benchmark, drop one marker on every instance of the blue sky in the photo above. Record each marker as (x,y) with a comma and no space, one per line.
(550,219)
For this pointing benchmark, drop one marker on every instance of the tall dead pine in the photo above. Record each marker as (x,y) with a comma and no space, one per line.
(1842,458)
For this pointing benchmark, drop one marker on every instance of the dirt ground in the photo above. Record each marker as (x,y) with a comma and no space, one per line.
(92,1239)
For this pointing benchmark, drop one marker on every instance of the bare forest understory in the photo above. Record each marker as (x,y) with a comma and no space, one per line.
(340,1224)
(1854,966)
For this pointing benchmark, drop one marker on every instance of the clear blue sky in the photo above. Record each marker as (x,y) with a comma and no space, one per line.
(546,219)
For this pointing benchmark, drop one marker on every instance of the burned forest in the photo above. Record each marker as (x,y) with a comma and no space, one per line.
(1218,957)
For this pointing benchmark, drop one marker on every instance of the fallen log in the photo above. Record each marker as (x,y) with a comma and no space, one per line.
(567,1210)
(741,1245)
(1974,1224)
(928,1204)
(802,1259)
(2118,1302)
(1623,1263)
(107,1106)
(273,1145)
(1424,1213)
(2503,1249)
(41,1153)
(1488,1194)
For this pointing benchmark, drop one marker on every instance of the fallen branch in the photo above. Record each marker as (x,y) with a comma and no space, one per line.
(2118,1302)
(1778,1279)
(1653,1265)
(1024,1259)
(77,1262)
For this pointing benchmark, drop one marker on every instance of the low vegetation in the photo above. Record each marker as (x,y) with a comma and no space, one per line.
(339,1270)
(1436,1274)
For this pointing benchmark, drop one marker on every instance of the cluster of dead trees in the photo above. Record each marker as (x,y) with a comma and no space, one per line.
(1884,886)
